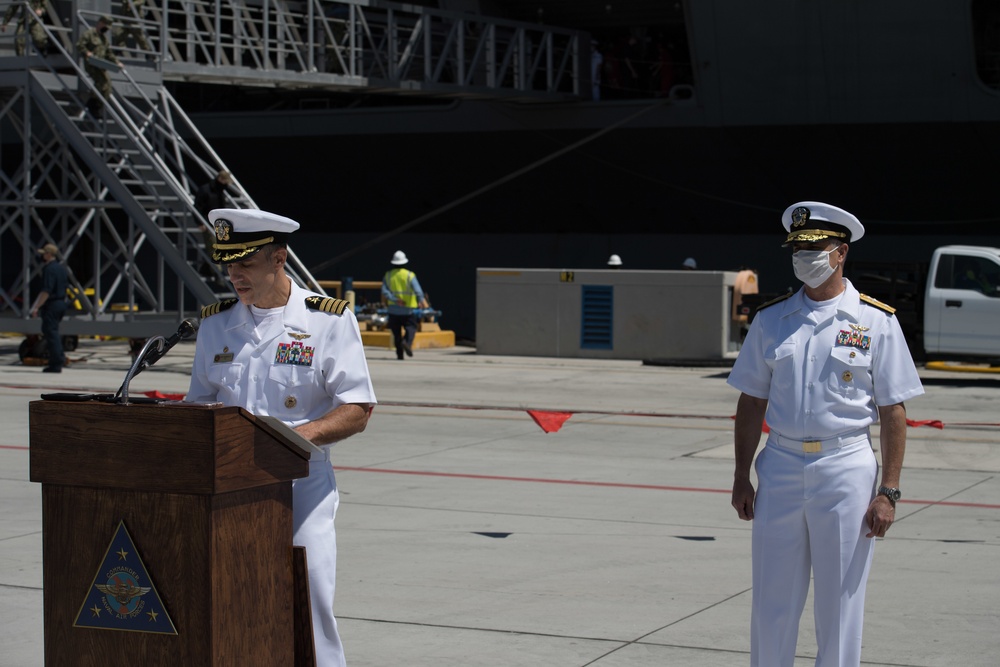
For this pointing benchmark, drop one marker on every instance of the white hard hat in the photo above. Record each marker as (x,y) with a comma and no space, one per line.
(399,258)
(614,260)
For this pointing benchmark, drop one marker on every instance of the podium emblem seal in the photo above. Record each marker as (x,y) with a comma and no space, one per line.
(122,595)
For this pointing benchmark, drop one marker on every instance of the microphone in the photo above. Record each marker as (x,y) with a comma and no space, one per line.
(187,329)
(153,351)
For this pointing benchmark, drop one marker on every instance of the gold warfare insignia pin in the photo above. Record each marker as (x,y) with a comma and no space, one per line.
(291,402)
(800,216)
(223,228)
(848,376)
(298,336)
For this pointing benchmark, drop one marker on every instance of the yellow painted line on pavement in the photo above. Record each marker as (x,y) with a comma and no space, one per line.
(962,368)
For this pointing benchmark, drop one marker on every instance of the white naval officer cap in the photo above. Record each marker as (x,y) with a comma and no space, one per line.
(808,221)
(241,232)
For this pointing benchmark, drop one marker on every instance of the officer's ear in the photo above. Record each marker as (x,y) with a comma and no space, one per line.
(841,250)
(279,257)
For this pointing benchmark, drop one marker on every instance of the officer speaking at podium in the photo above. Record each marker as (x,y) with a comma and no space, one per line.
(282,351)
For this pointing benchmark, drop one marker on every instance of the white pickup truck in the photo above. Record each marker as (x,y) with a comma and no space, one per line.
(962,303)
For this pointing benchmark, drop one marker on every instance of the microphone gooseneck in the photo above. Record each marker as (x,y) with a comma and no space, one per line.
(186,329)
(154,349)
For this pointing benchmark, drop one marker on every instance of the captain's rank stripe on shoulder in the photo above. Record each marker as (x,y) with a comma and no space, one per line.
(217,307)
(878,304)
(327,304)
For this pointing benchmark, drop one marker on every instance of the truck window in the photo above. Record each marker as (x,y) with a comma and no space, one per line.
(976,274)
(945,276)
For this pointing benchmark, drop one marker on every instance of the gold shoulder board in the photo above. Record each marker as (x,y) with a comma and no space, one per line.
(217,307)
(768,304)
(326,304)
(878,304)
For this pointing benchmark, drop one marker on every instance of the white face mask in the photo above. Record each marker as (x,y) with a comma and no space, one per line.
(812,266)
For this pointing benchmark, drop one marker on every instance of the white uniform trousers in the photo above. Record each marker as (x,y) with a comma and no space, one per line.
(314,507)
(810,511)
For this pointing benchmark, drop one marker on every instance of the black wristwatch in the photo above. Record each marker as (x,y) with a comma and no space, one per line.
(891,493)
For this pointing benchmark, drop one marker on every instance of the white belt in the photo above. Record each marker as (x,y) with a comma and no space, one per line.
(815,446)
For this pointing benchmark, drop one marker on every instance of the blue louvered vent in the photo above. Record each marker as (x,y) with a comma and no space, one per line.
(597,310)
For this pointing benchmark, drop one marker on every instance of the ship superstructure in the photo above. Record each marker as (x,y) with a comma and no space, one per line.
(556,133)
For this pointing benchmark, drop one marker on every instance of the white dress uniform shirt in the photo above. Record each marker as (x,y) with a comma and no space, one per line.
(820,376)
(323,366)
(824,368)
(296,365)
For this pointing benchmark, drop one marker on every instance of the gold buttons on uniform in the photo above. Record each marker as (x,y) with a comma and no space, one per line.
(847,376)
(291,402)
(853,354)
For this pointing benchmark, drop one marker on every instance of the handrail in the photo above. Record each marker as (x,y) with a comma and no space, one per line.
(338,286)
(350,44)
(295,266)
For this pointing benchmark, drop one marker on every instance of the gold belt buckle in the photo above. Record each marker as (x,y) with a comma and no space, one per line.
(812,446)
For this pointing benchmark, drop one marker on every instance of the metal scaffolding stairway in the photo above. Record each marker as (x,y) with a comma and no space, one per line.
(113,186)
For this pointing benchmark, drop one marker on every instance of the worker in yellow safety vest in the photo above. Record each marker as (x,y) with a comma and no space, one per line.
(404,298)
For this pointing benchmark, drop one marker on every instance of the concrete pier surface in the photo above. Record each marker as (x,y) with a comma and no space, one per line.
(468,536)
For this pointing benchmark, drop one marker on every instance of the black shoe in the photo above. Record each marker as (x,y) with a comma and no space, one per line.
(399,354)
(51,369)
(409,351)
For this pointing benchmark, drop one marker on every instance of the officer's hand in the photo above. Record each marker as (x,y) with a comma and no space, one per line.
(743,495)
(880,516)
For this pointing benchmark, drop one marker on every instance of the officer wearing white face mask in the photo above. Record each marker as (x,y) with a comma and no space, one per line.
(820,365)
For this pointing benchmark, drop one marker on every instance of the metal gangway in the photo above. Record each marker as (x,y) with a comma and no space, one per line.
(366,45)
(114,187)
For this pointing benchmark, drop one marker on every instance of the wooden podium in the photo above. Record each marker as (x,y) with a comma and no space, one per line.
(204,493)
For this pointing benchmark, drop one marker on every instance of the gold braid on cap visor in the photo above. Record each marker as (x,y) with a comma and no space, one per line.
(242,249)
(813,235)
